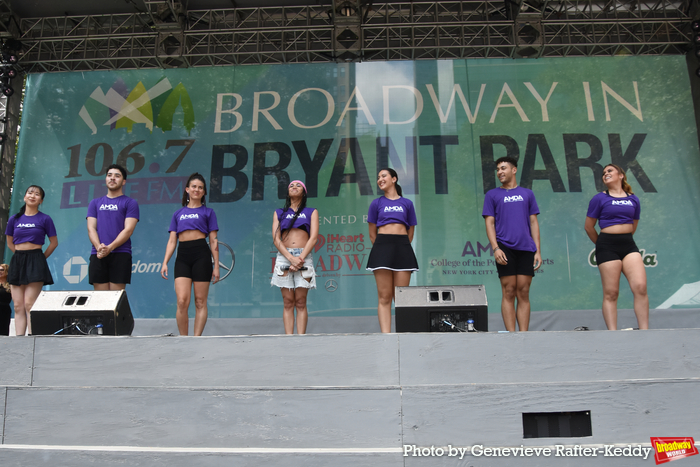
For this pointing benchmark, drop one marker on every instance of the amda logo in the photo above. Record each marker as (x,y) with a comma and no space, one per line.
(121,108)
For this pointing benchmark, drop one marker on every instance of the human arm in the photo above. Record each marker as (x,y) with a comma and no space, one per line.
(53,243)
(169,250)
(590,228)
(535,232)
(372,232)
(214,246)
(277,238)
(498,254)
(92,232)
(411,231)
(124,235)
(310,243)
(634,225)
(10,243)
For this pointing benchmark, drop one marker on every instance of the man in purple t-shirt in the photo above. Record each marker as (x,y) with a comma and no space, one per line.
(511,213)
(111,220)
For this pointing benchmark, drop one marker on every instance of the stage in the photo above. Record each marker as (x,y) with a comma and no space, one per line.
(343,399)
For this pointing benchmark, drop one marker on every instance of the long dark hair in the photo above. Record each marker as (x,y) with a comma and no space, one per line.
(393,174)
(625,185)
(186,196)
(20,213)
(287,207)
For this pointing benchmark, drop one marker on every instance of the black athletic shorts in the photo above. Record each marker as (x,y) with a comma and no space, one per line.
(520,262)
(614,247)
(194,261)
(114,268)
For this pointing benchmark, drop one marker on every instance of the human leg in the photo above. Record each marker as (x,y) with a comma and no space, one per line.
(300,294)
(508,291)
(31,293)
(288,302)
(20,313)
(522,292)
(401,279)
(385,293)
(610,278)
(183,292)
(201,291)
(635,272)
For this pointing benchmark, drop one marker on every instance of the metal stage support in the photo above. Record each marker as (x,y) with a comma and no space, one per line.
(165,33)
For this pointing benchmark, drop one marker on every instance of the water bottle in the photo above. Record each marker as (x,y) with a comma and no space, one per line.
(99,329)
(470,326)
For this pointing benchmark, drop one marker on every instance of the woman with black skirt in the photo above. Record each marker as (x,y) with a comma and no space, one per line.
(29,271)
(392,221)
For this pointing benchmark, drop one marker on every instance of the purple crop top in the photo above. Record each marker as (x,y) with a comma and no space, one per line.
(202,218)
(385,211)
(613,211)
(302,222)
(33,229)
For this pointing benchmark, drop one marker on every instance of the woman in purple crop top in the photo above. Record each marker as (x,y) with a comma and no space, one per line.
(617,212)
(294,234)
(29,271)
(196,264)
(392,221)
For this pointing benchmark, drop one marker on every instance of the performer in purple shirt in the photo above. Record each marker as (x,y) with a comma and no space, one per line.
(191,225)
(29,271)
(617,210)
(111,220)
(392,222)
(511,213)
(294,234)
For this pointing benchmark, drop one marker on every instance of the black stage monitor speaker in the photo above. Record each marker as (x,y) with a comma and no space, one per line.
(82,313)
(430,309)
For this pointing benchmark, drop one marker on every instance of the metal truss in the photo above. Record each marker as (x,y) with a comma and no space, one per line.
(167,36)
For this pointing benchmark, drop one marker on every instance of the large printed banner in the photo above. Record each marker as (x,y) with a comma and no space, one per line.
(441,124)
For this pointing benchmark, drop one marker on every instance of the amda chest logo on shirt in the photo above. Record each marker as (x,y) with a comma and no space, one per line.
(189,216)
(300,216)
(25,225)
(512,199)
(109,207)
(624,202)
(393,209)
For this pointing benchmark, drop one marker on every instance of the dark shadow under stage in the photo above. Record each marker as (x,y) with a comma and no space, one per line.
(346,399)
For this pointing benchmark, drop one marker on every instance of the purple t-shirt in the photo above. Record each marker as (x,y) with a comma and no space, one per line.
(111,214)
(613,211)
(202,218)
(303,222)
(33,229)
(385,211)
(512,210)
